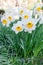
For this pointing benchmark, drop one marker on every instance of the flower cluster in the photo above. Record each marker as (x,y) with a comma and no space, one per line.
(28,22)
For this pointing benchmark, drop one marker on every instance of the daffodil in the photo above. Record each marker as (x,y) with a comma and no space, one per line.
(38,8)
(17,27)
(21,10)
(29,25)
(5,21)
(10,17)
(27,15)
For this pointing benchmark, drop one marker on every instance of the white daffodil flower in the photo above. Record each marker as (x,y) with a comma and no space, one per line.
(26,15)
(30,25)
(38,8)
(5,21)
(17,27)
(10,17)
(21,11)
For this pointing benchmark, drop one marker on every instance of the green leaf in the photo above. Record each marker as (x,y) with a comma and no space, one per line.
(38,40)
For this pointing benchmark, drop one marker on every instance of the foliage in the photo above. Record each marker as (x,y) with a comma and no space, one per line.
(23,45)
